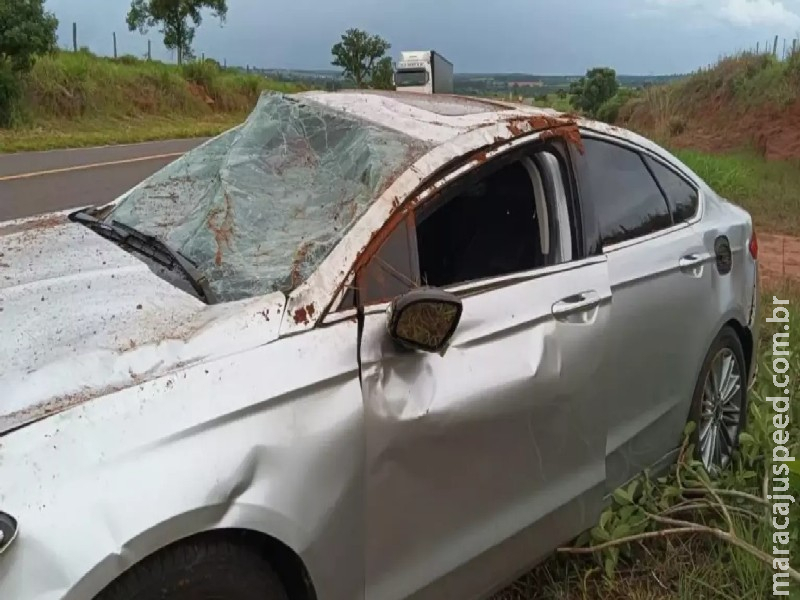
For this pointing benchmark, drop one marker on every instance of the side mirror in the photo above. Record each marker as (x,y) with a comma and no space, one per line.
(424,319)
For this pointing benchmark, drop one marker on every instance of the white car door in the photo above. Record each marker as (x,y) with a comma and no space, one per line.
(483,459)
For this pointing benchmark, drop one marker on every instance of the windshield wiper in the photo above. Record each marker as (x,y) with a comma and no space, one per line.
(150,246)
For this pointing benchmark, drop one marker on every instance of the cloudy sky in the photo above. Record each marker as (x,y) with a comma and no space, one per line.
(534,36)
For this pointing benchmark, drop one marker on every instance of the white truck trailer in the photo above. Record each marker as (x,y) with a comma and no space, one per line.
(425,72)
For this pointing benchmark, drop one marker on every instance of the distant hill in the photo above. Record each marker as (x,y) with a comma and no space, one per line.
(539,86)
(521,84)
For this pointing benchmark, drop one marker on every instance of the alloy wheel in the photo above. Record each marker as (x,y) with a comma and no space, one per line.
(721,411)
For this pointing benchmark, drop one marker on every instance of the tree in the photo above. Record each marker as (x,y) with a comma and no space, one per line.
(26,30)
(383,74)
(357,53)
(178,20)
(590,92)
(609,110)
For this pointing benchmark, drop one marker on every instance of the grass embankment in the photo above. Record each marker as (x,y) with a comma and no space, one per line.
(78,99)
(768,190)
(748,101)
(703,564)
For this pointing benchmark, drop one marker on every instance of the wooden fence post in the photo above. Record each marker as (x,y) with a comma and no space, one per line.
(74,37)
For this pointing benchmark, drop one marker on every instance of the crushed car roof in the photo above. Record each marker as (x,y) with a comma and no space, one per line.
(433,118)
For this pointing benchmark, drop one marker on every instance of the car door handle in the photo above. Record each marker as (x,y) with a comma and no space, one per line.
(574,304)
(691,261)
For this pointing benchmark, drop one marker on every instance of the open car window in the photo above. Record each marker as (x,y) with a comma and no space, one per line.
(510,216)
(257,209)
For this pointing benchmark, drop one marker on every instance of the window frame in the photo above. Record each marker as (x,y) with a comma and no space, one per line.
(433,191)
(672,169)
(641,152)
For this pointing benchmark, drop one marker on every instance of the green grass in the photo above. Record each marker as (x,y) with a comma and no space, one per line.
(769,190)
(733,86)
(104,131)
(555,102)
(698,567)
(748,79)
(75,99)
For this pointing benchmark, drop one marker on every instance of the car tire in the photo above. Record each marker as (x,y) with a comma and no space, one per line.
(199,570)
(711,412)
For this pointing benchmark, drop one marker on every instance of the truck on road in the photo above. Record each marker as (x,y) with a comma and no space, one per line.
(424,71)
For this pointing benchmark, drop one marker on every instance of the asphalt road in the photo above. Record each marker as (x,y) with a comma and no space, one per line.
(38,182)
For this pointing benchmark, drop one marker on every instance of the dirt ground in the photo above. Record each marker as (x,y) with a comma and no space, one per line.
(774,132)
(779,257)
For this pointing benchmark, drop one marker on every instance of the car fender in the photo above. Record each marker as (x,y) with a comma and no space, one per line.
(238,515)
(270,440)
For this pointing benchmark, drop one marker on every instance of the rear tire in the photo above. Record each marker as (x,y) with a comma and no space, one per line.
(719,405)
(199,570)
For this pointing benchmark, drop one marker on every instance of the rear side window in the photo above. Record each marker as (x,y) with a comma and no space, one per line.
(625,196)
(682,197)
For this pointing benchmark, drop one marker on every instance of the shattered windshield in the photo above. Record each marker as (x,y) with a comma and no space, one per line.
(258,208)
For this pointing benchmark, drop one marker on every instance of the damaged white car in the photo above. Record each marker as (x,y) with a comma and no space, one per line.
(365,345)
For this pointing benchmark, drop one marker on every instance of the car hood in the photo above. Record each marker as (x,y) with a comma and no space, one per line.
(81,317)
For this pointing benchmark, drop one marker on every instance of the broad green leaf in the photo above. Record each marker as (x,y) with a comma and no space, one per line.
(600,534)
(620,531)
(622,497)
(605,517)
(746,438)
(610,562)
(632,489)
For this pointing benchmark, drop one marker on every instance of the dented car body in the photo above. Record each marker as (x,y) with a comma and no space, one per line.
(209,352)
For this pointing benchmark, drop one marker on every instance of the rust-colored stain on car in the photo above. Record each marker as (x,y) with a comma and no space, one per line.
(564,126)
(304,313)
(221,228)
(297,264)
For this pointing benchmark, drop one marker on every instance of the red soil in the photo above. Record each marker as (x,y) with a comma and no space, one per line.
(774,132)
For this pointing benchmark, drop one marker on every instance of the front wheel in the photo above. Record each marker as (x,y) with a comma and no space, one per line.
(719,405)
(199,570)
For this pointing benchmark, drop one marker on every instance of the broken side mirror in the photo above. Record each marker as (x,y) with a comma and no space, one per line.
(424,319)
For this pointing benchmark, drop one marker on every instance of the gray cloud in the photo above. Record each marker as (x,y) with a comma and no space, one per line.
(540,36)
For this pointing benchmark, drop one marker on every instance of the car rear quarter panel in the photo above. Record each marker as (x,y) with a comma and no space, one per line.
(269,440)
(737,291)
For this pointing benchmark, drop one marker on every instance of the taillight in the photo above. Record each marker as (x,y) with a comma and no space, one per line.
(753,246)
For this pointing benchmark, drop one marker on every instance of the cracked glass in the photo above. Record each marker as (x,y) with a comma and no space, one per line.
(258,208)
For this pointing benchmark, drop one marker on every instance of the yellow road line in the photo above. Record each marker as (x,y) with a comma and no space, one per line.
(90,166)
